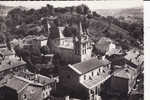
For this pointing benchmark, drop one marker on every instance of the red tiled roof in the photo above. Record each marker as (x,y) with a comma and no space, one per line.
(86,66)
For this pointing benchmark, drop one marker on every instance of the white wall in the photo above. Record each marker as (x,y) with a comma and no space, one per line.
(43,43)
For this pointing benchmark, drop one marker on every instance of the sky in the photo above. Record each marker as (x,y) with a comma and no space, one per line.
(104,4)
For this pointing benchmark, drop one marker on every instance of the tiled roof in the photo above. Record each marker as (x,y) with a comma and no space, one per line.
(16,84)
(31,37)
(34,92)
(6,52)
(42,80)
(14,63)
(19,85)
(135,57)
(126,73)
(45,80)
(86,66)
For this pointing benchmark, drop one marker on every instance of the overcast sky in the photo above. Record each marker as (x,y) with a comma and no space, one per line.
(105,4)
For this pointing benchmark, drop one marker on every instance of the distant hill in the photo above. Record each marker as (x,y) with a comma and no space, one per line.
(22,8)
(136,12)
(5,9)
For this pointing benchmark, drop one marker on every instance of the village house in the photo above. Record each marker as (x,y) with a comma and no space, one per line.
(123,82)
(10,67)
(30,87)
(136,57)
(7,54)
(85,79)
(36,41)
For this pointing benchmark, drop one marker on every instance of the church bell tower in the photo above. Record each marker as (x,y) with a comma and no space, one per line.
(83,44)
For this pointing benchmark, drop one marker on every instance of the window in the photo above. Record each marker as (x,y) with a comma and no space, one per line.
(84,77)
(92,74)
(84,45)
(90,77)
(83,51)
(99,69)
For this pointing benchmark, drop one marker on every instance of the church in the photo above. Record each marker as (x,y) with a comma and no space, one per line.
(83,75)
(74,49)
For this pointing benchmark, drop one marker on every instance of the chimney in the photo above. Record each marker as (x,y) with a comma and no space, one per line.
(103,57)
(66,97)
(81,30)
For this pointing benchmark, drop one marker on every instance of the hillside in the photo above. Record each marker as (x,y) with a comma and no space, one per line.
(4,10)
(138,12)
(98,25)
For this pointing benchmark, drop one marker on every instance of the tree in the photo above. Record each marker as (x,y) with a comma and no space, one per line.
(44,50)
(18,51)
(82,9)
(95,14)
(2,38)
(56,59)
(7,40)
(51,10)
(69,31)
(54,32)
(17,16)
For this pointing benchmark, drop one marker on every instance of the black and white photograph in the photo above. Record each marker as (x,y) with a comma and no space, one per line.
(72,50)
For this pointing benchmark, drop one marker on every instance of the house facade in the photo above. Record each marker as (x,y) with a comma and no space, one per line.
(123,81)
(85,79)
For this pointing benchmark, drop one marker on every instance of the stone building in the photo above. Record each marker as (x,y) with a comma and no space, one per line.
(85,79)
(73,49)
(29,87)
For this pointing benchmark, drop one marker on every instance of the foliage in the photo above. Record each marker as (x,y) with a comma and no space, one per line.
(45,50)
(82,9)
(69,31)
(2,38)
(19,23)
(135,29)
